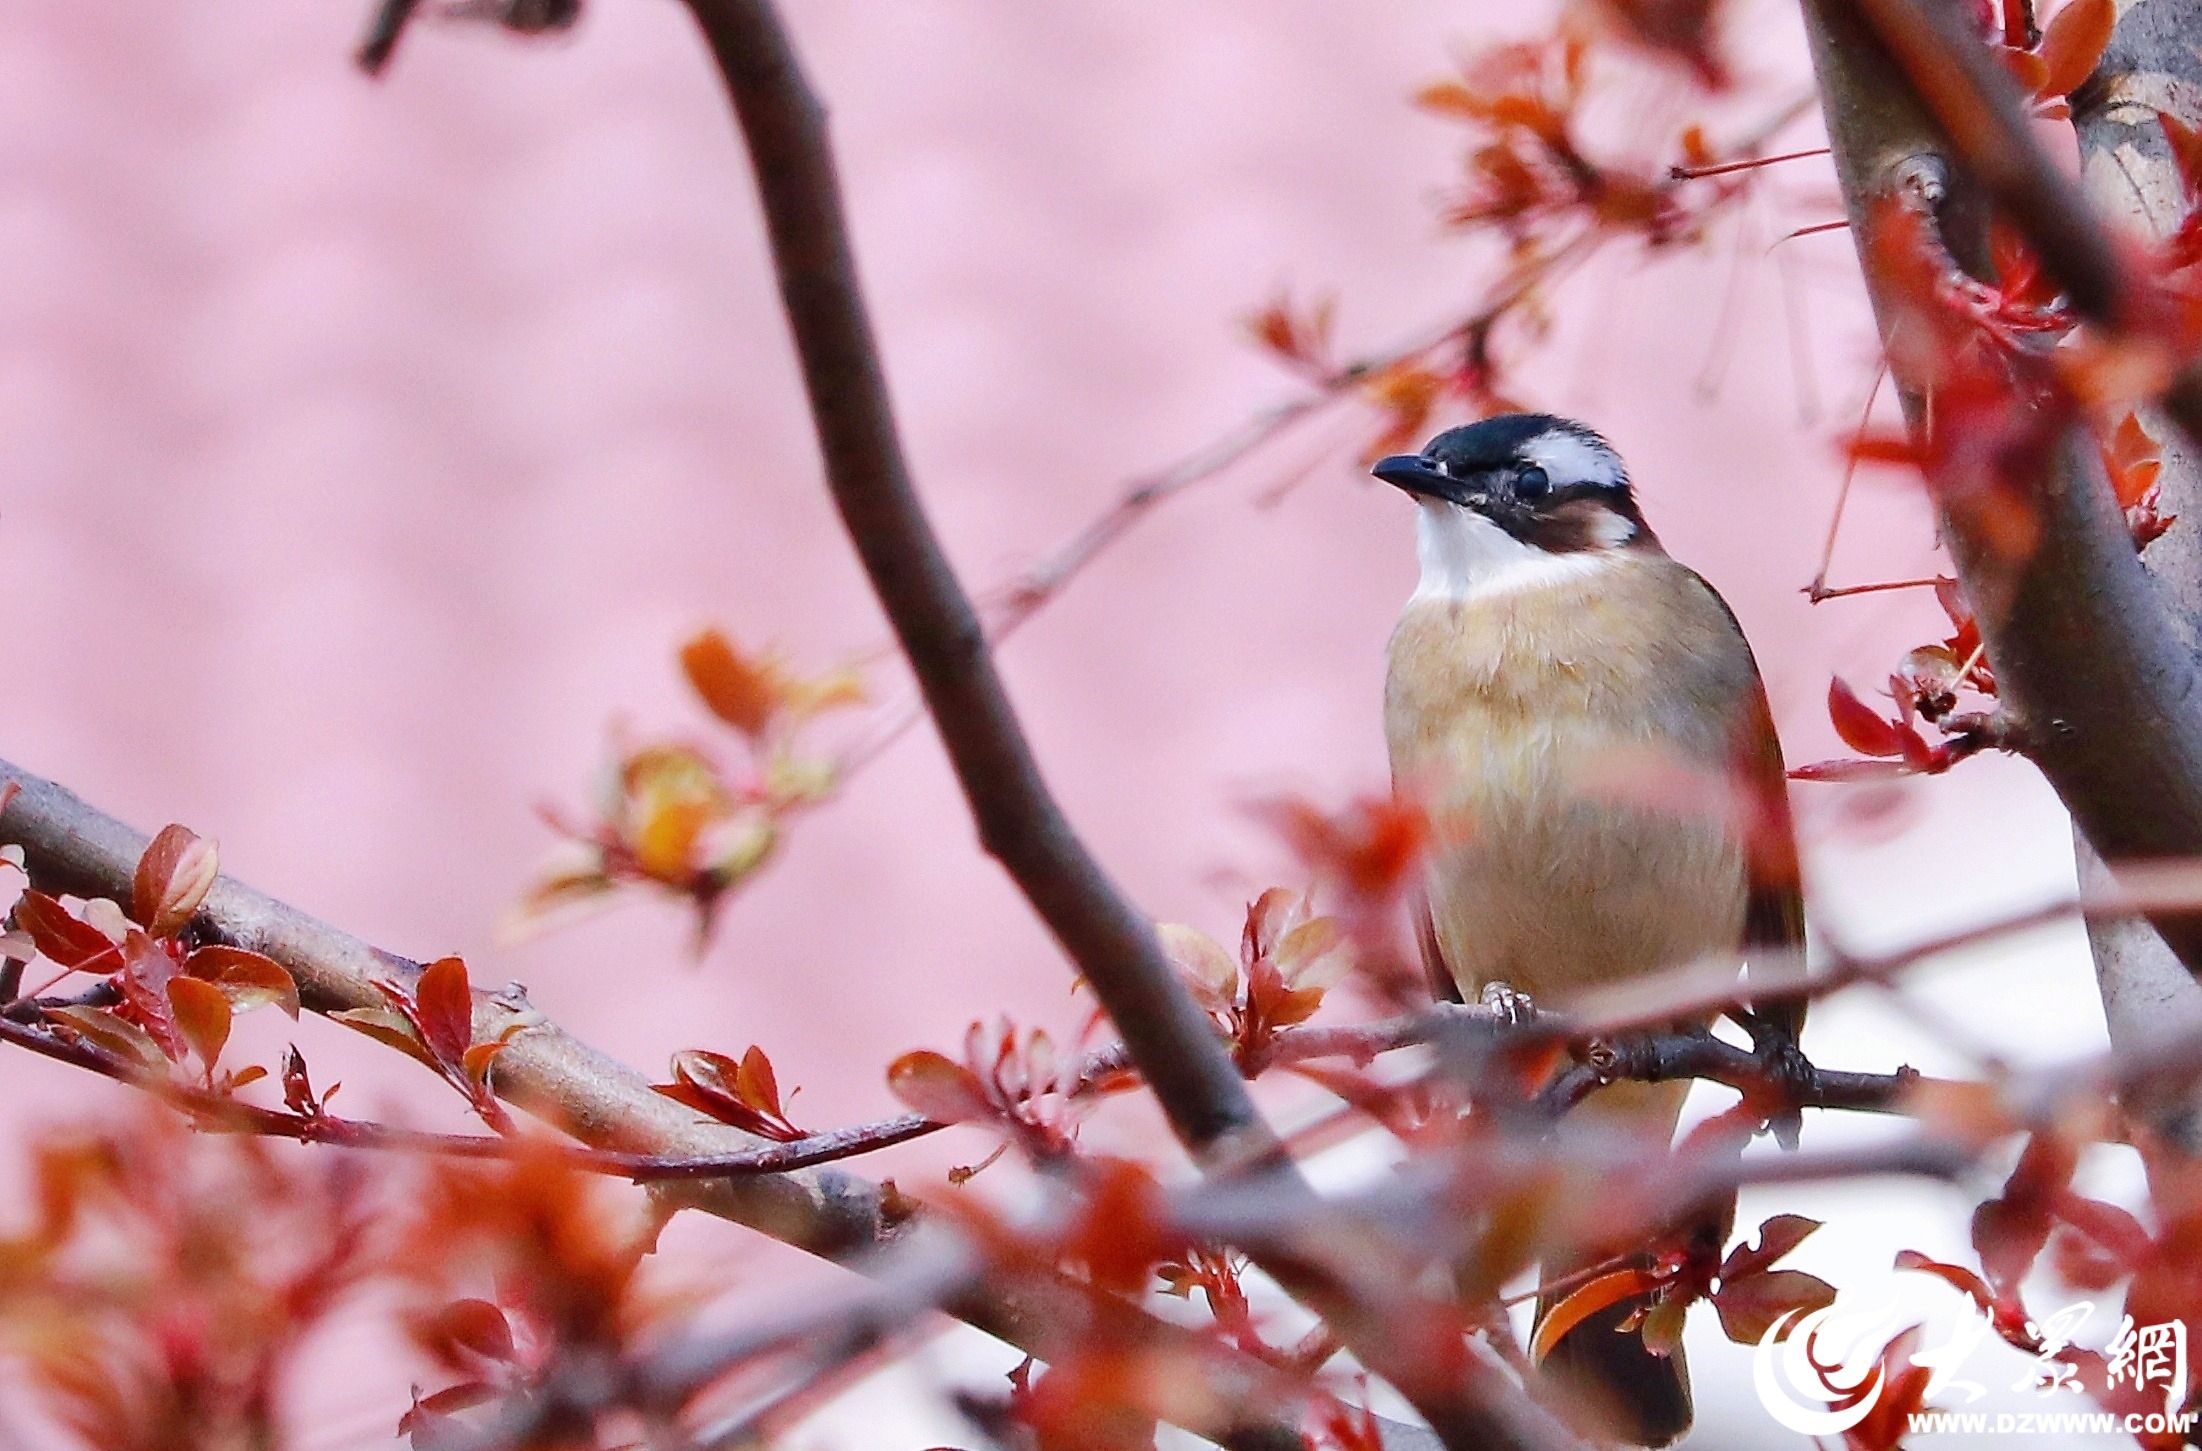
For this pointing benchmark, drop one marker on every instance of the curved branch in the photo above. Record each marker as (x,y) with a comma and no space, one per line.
(1471,1403)
(1018,821)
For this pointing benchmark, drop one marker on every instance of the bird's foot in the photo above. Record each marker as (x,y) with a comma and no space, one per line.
(1791,1080)
(1513,1008)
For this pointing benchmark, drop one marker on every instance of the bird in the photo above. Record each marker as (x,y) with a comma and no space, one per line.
(1552,667)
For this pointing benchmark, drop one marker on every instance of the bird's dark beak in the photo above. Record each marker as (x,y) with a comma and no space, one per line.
(1417,476)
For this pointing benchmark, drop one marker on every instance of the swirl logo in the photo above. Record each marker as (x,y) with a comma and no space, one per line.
(1824,1377)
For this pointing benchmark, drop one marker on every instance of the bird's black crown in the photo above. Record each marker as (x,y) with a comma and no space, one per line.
(1550,482)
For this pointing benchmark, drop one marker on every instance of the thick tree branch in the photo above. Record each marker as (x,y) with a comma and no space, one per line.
(73,847)
(2127,171)
(2082,645)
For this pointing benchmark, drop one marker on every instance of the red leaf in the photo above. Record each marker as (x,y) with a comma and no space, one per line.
(2073,44)
(1964,1279)
(172,879)
(2082,1263)
(64,940)
(1850,771)
(144,980)
(1903,1392)
(1896,449)
(445,1003)
(2109,1226)
(743,1093)
(298,1094)
(475,1327)
(756,1081)
(1750,1306)
(1777,1237)
(939,1087)
(1860,726)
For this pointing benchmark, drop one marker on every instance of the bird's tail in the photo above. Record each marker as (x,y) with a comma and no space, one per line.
(1615,1386)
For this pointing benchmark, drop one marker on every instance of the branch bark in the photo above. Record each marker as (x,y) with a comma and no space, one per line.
(2084,650)
(2151,66)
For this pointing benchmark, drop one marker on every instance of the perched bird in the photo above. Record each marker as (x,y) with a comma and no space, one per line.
(1553,688)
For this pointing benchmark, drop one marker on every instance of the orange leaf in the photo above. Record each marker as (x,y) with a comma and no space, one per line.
(1885,448)
(2073,44)
(744,693)
(1453,99)
(2026,68)
(249,979)
(2186,150)
(202,1016)
(1606,1290)
(476,1060)
(172,879)
(392,1030)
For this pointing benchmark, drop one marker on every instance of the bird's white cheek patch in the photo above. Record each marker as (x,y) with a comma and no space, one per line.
(1611,530)
(1467,557)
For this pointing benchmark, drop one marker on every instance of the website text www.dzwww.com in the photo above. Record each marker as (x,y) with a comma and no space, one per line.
(2050,1423)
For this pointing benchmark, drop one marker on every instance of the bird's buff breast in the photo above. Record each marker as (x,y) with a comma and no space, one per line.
(1568,742)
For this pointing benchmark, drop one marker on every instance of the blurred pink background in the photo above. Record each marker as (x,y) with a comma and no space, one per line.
(369,448)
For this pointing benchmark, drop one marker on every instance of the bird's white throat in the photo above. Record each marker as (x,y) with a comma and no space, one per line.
(1466,557)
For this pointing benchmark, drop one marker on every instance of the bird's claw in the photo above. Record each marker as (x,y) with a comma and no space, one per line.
(1791,1079)
(1513,1007)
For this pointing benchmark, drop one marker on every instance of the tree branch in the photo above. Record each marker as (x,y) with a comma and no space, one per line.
(1467,1399)
(1922,124)
(1018,821)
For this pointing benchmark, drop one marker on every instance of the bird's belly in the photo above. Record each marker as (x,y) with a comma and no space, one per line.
(1555,880)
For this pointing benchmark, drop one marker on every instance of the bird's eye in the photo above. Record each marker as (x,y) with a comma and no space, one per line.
(1531,483)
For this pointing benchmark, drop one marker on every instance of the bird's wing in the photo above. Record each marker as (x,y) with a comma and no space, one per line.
(1773,917)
